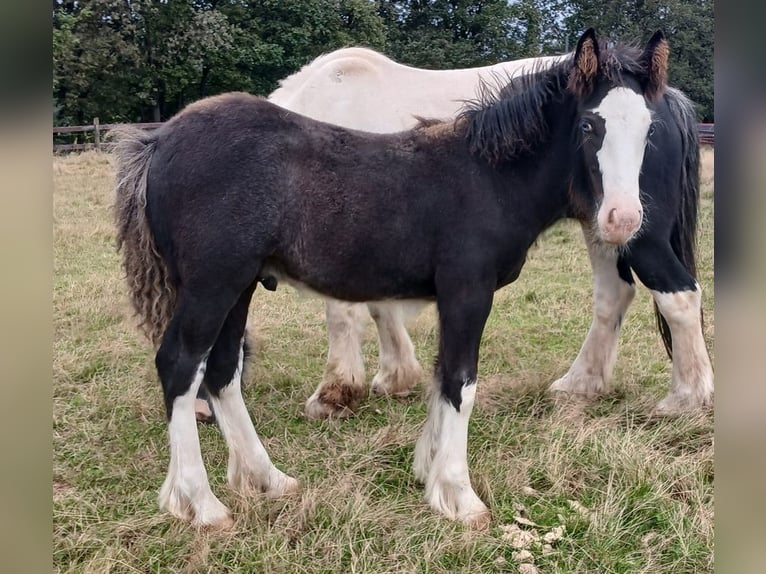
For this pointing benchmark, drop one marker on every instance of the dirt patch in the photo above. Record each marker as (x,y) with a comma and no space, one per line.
(61,490)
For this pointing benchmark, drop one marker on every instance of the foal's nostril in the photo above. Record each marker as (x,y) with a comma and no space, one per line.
(610,219)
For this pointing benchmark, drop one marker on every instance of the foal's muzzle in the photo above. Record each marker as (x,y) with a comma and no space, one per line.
(619,218)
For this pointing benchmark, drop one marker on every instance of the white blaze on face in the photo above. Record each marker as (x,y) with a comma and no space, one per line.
(626,123)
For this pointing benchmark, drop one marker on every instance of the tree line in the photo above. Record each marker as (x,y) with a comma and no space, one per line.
(143,60)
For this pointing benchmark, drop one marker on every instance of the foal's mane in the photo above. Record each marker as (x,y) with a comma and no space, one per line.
(507,119)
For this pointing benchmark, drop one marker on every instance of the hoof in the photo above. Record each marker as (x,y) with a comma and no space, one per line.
(584,386)
(316,409)
(276,485)
(336,399)
(284,486)
(675,405)
(204,511)
(478,521)
(221,523)
(203,410)
(398,383)
(458,502)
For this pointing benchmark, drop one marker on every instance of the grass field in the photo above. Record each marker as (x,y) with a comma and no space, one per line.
(613,489)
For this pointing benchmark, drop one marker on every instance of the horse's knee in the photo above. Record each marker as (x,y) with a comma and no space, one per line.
(681,308)
(454,385)
(375,311)
(608,304)
(224,363)
(177,365)
(341,317)
(659,268)
(186,371)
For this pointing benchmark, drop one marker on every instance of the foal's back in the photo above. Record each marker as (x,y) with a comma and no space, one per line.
(316,201)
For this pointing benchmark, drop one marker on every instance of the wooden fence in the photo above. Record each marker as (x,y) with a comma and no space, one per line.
(96,131)
(706,133)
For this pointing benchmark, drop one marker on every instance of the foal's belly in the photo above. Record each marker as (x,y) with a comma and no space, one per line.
(352,285)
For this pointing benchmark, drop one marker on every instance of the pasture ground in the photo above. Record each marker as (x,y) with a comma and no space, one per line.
(632,494)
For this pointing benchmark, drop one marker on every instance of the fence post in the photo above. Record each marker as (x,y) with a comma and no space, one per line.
(96,134)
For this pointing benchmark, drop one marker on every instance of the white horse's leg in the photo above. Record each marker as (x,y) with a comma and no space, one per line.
(691,386)
(343,386)
(250,468)
(399,368)
(591,371)
(186,492)
(441,459)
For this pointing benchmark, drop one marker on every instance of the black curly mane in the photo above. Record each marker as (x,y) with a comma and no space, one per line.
(507,118)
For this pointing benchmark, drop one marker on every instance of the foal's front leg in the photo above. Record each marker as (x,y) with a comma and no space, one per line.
(613,291)
(441,453)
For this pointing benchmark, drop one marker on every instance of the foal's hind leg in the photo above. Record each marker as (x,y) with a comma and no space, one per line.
(613,292)
(344,386)
(181,364)
(250,468)
(399,370)
(679,299)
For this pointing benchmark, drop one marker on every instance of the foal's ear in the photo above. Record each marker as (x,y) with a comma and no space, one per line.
(586,64)
(655,60)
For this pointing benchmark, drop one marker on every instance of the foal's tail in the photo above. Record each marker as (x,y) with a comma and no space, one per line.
(683,237)
(152,291)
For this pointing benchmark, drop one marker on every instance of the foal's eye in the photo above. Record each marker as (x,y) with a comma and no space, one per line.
(586,126)
(651,130)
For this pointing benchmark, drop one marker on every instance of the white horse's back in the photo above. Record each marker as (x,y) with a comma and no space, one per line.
(362,89)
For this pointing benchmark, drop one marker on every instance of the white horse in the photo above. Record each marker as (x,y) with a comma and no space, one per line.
(361,89)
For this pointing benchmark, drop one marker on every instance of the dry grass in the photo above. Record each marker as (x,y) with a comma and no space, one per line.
(634,494)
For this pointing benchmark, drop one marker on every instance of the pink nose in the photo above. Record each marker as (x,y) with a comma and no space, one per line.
(619,220)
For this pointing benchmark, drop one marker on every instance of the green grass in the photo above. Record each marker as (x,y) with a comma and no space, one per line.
(647,484)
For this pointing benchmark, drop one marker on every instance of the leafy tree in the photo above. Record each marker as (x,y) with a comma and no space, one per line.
(130,60)
(143,59)
(444,34)
(688,25)
(283,35)
(92,60)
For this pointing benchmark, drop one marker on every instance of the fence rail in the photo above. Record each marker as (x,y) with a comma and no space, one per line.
(95,131)
(705,132)
(100,127)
